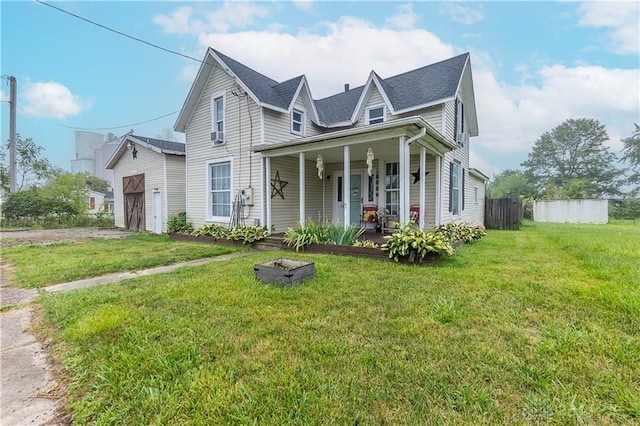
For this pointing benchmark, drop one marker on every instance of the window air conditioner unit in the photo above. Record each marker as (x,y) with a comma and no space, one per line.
(217,138)
(463,138)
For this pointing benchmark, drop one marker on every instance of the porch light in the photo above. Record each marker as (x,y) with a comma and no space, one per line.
(320,166)
(370,158)
(129,145)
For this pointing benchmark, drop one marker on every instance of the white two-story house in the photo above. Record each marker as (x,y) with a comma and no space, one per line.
(264,152)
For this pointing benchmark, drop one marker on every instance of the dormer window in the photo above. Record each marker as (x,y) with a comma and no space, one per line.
(375,114)
(297,122)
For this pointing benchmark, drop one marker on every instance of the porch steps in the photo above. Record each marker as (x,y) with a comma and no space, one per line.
(272,242)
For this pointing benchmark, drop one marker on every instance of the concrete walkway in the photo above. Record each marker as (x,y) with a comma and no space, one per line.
(28,392)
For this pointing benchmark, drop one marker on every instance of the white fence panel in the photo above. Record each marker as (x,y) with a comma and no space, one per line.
(571,211)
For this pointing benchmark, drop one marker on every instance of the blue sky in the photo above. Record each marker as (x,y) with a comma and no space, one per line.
(535,64)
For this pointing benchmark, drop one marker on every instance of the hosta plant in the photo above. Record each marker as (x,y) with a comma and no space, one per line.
(212,230)
(414,245)
(247,234)
(366,244)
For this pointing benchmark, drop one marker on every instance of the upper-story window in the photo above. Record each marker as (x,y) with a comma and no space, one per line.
(217,116)
(297,122)
(375,114)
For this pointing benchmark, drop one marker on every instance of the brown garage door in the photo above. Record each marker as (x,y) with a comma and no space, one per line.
(133,191)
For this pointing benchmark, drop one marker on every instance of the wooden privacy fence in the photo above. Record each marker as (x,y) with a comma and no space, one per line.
(503,213)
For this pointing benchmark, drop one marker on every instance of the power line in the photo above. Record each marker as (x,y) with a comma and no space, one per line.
(103,128)
(119,32)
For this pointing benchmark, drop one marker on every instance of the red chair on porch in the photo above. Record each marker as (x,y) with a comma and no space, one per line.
(369,216)
(414,213)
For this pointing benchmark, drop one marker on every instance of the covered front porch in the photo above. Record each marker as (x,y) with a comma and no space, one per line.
(392,168)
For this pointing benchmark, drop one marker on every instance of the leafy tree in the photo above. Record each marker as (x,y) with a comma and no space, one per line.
(572,157)
(511,184)
(96,183)
(631,151)
(31,166)
(68,193)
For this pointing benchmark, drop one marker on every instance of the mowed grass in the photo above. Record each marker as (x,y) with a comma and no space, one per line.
(38,266)
(525,326)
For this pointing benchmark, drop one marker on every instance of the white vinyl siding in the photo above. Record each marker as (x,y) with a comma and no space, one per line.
(241,132)
(430,188)
(450,112)
(433,116)
(474,211)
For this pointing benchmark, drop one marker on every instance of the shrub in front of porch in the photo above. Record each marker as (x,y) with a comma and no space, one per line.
(414,245)
(455,232)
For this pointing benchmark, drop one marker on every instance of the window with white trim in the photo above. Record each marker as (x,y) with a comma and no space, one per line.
(219,189)
(475,194)
(454,189)
(298,122)
(392,187)
(375,114)
(217,114)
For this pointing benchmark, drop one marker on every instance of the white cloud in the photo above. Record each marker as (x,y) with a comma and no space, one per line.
(226,17)
(188,73)
(336,56)
(512,118)
(622,18)
(52,100)
(305,5)
(3,96)
(463,14)
(404,19)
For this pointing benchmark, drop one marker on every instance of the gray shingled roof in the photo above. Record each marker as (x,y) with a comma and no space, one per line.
(427,84)
(418,87)
(266,89)
(162,144)
(340,107)
(410,89)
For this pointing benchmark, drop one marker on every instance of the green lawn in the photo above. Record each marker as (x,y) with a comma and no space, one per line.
(42,265)
(531,326)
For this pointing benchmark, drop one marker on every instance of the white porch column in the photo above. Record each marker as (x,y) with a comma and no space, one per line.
(267,192)
(346,185)
(438,190)
(403,169)
(423,168)
(301,179)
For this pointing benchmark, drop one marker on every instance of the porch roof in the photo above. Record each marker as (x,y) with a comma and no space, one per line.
(409,126)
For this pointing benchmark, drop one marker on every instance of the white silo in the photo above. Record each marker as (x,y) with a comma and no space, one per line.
(86,144)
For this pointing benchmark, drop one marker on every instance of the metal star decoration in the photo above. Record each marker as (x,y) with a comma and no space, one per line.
(416,175)
(277,186)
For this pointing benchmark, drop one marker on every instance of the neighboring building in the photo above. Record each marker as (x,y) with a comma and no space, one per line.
(149,182)
(265,152)
(95,202)
(92,153)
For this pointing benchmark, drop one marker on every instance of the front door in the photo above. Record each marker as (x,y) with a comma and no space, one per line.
(157,213)
(355,194)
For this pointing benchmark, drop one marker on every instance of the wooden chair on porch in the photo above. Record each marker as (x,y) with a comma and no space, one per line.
(414,213)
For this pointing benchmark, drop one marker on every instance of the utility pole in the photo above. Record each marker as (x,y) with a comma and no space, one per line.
(13,87)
